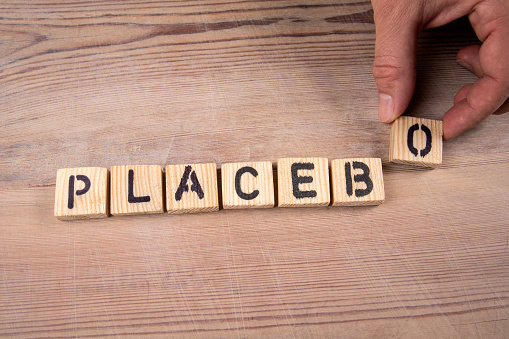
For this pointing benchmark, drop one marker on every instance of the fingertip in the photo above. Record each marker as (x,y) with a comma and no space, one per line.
(468,57)
(462,93)
(385,107)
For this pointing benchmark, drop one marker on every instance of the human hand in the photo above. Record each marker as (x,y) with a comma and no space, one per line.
(398,22)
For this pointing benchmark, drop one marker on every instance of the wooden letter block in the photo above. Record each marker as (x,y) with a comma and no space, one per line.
(247,185)
(81,193)
(136,189)
(416,142)
(191,188)
(357,182)
(303,182)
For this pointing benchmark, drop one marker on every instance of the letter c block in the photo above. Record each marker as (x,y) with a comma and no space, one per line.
(303,182)
(247,185)
(81,193)
(416,142)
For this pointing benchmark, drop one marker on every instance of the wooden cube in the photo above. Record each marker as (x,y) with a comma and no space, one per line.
(247,185)
(357,182)
(191,188)
(81,193)
(416,141)
(136,189)
(303,182)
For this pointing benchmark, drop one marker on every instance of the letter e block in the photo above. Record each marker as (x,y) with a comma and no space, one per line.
(81,193)
(247,185)
(303,182)
(136,189)
(191,188)
(416,141)
(357,182)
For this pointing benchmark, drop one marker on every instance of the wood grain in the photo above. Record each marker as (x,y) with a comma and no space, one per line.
(98,84)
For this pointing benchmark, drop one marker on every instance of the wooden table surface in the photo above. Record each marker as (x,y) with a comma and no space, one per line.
(91,83)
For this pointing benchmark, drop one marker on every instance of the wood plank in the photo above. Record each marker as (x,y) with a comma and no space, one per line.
(100,84)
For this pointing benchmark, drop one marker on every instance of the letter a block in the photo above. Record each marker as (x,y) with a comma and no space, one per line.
(303,182)
(191,188)
(357,182)
(136,189)
(247,185)
(416,142)
(81,193)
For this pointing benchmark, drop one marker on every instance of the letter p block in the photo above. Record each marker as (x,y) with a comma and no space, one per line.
(416,142)
(81,193)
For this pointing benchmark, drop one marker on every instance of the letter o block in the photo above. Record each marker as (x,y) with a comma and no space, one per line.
(247,185)
(416,142)
(81,193)
(303,182)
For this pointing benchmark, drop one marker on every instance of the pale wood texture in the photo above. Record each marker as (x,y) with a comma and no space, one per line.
(400,151)
(91,83)
(93,200)
(147,186)
(303,186)
(259,188)
(352,192)
(200,195)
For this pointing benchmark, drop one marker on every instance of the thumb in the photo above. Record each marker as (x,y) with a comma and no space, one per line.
(397,28)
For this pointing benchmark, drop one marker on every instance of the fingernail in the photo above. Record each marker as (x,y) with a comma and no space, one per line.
(385,107)
(464,64)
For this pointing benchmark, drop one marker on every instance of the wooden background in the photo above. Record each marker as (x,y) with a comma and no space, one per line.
(102,83)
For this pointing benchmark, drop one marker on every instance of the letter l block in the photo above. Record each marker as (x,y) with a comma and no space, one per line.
(136,189)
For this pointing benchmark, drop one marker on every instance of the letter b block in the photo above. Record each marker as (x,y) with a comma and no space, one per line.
(303,182)
(357,182)
(81,193)
(136,189)
(416,142)
(247,185)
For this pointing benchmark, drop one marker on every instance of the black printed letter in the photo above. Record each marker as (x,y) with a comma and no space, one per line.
(410,140)
(238,189)
(364,177)
(86,181)
(130,187)
(296,180)
(183,187)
